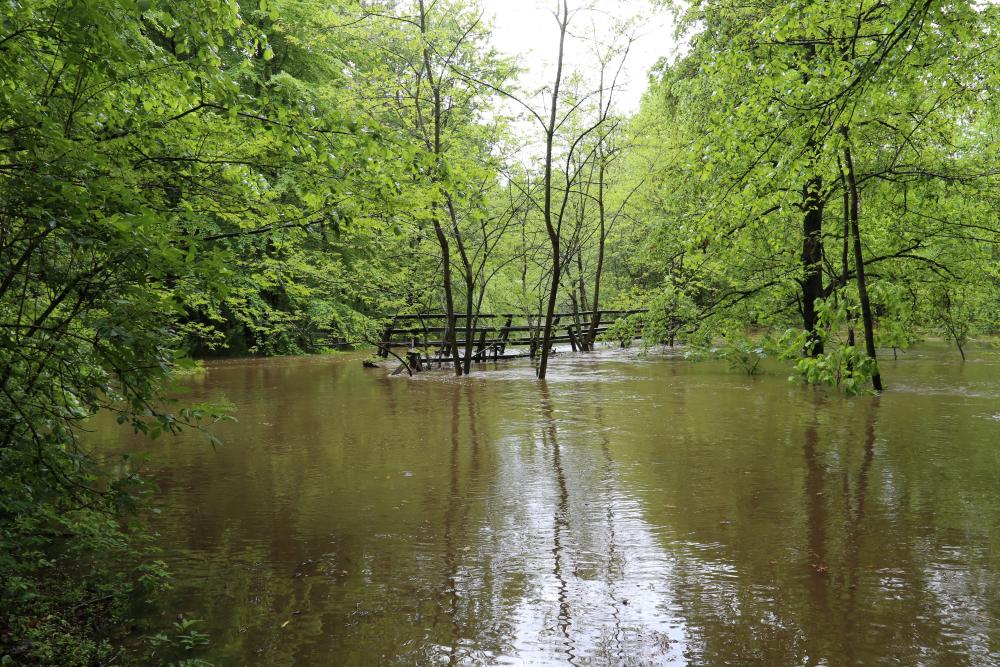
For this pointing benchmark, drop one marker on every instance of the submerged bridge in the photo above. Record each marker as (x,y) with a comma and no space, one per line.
(492,335)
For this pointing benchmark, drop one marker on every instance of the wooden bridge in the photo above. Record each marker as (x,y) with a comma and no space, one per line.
(424,334)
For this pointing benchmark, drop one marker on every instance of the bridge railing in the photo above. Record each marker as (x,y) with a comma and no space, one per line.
(491,333)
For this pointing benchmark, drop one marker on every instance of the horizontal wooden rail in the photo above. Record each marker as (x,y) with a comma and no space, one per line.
(517,328)
(462,316)
(564,338)
(491,337)
(478,358)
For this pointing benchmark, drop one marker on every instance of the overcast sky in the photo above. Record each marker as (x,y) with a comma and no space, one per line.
(527,29)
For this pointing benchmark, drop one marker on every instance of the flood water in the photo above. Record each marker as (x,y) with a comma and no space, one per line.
(631,510)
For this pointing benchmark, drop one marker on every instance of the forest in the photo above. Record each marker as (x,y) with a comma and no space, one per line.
(814,184)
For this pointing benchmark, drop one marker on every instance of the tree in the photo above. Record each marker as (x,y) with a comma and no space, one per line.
(167,170)
(770,101)
(435,113)
(556,188)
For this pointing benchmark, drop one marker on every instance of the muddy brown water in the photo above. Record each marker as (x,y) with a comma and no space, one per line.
(630,510)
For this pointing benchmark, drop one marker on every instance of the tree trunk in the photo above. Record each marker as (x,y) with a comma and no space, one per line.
(543,361)
(812,240)
(550,227)
(859,268)
(595,319)
(470,282)
(469,297)
(812,258)
(581,286)
(450,337)
(845,271)
(949,324)
(451,342)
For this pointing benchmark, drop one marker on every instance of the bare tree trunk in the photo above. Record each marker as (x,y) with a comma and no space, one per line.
(595,319)
(845,262)
(450,337)
(859,268)
(470,283)
(581,287)
(451,341)
(469,297)
(949,325)
(550,227)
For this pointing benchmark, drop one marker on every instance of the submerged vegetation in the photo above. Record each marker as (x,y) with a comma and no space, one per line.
(264,177)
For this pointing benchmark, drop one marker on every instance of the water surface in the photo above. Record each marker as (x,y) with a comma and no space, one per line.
(631,510)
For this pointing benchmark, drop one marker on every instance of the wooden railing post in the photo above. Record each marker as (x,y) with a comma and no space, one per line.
(481,346)
(555,326)
(505,333)
(533,332)
(383,350)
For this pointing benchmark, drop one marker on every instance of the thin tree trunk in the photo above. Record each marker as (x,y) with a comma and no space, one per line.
(550,227)
(470,282)
(595,319)
(450,337)
(581,287)
(575,330)
(845,261)
(950,325)
(451,341)
(469,297)
(859,268)
(550,310)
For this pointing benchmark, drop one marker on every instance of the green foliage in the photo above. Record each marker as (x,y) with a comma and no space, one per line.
(188,179)
(739,135)
(743,354)
(899,319)
(843,365)
(176,176)
(847,368)
(175,647)
(185,179)
(622,331)
(671,311)
(101,258)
